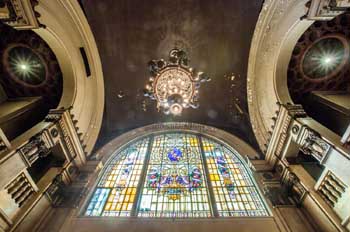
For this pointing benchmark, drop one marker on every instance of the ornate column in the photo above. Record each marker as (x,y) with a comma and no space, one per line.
(279,144)
(68,135)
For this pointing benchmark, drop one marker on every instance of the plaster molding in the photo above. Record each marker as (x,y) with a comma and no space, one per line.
(65,33)
(278,28)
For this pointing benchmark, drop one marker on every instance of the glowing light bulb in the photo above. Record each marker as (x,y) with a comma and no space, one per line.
(328,60)
(23,67)
(176,109)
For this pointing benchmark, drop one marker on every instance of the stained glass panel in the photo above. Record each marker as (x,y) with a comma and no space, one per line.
(234,192)
(175,184)
(173,172)
(116,190)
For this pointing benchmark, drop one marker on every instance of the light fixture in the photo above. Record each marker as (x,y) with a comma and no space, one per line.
(328,60)
(324,58)
(25,65)
(173,84)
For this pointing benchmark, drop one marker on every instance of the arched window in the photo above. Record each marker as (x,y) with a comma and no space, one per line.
(176,175)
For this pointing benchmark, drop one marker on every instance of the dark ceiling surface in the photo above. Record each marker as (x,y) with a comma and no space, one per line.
(216,35)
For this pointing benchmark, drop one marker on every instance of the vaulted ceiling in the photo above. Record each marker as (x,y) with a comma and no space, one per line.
(216,36)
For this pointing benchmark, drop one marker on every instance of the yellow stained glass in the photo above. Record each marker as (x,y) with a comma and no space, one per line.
(214,177)
(169,170)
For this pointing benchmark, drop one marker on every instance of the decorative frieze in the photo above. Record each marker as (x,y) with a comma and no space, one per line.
(331,189)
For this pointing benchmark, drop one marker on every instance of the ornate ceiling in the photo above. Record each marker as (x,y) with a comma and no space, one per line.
(307,72)
(28,67)
(215,34)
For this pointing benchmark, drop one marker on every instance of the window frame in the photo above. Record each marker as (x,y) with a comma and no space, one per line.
(140,186)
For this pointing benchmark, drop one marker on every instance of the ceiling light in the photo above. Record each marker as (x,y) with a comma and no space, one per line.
(23,67)
(173,84)
(328,60)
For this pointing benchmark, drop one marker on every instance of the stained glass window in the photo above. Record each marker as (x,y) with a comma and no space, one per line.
(234,191)
(176,175)
(175,185)
(116,191)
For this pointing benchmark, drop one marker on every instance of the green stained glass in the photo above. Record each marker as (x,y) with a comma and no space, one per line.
(168,175)
(175,184)
(234,191)
(119,182)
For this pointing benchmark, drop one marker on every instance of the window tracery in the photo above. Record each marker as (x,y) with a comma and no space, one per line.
(176,175)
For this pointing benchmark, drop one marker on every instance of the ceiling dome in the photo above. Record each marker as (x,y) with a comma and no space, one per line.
(28,67)
(325,58)
(320,59)
(25,66)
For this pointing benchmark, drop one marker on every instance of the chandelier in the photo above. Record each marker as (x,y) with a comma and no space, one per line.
(173,83)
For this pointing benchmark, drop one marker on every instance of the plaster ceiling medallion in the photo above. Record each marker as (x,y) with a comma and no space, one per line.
(174,84)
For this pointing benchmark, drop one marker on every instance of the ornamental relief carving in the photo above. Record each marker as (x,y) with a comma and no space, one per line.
(314,145)
(20,14)
(34,149)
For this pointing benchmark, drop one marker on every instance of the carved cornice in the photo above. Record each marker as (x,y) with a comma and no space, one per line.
(281,129)
(69,134)
(326,9)
(21,14)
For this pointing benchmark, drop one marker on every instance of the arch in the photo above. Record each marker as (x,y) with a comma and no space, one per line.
(279,26)
(66,33)
(175,172)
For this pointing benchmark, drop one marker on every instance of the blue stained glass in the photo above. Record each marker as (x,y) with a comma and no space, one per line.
(234,192)
(168,178)
(174,155)
(97,202)
(175,184)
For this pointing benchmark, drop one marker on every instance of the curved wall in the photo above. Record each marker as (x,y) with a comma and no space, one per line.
(65,33)
(278,28)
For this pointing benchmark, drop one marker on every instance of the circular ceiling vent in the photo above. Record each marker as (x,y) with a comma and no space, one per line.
(324,58)
(25,66)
